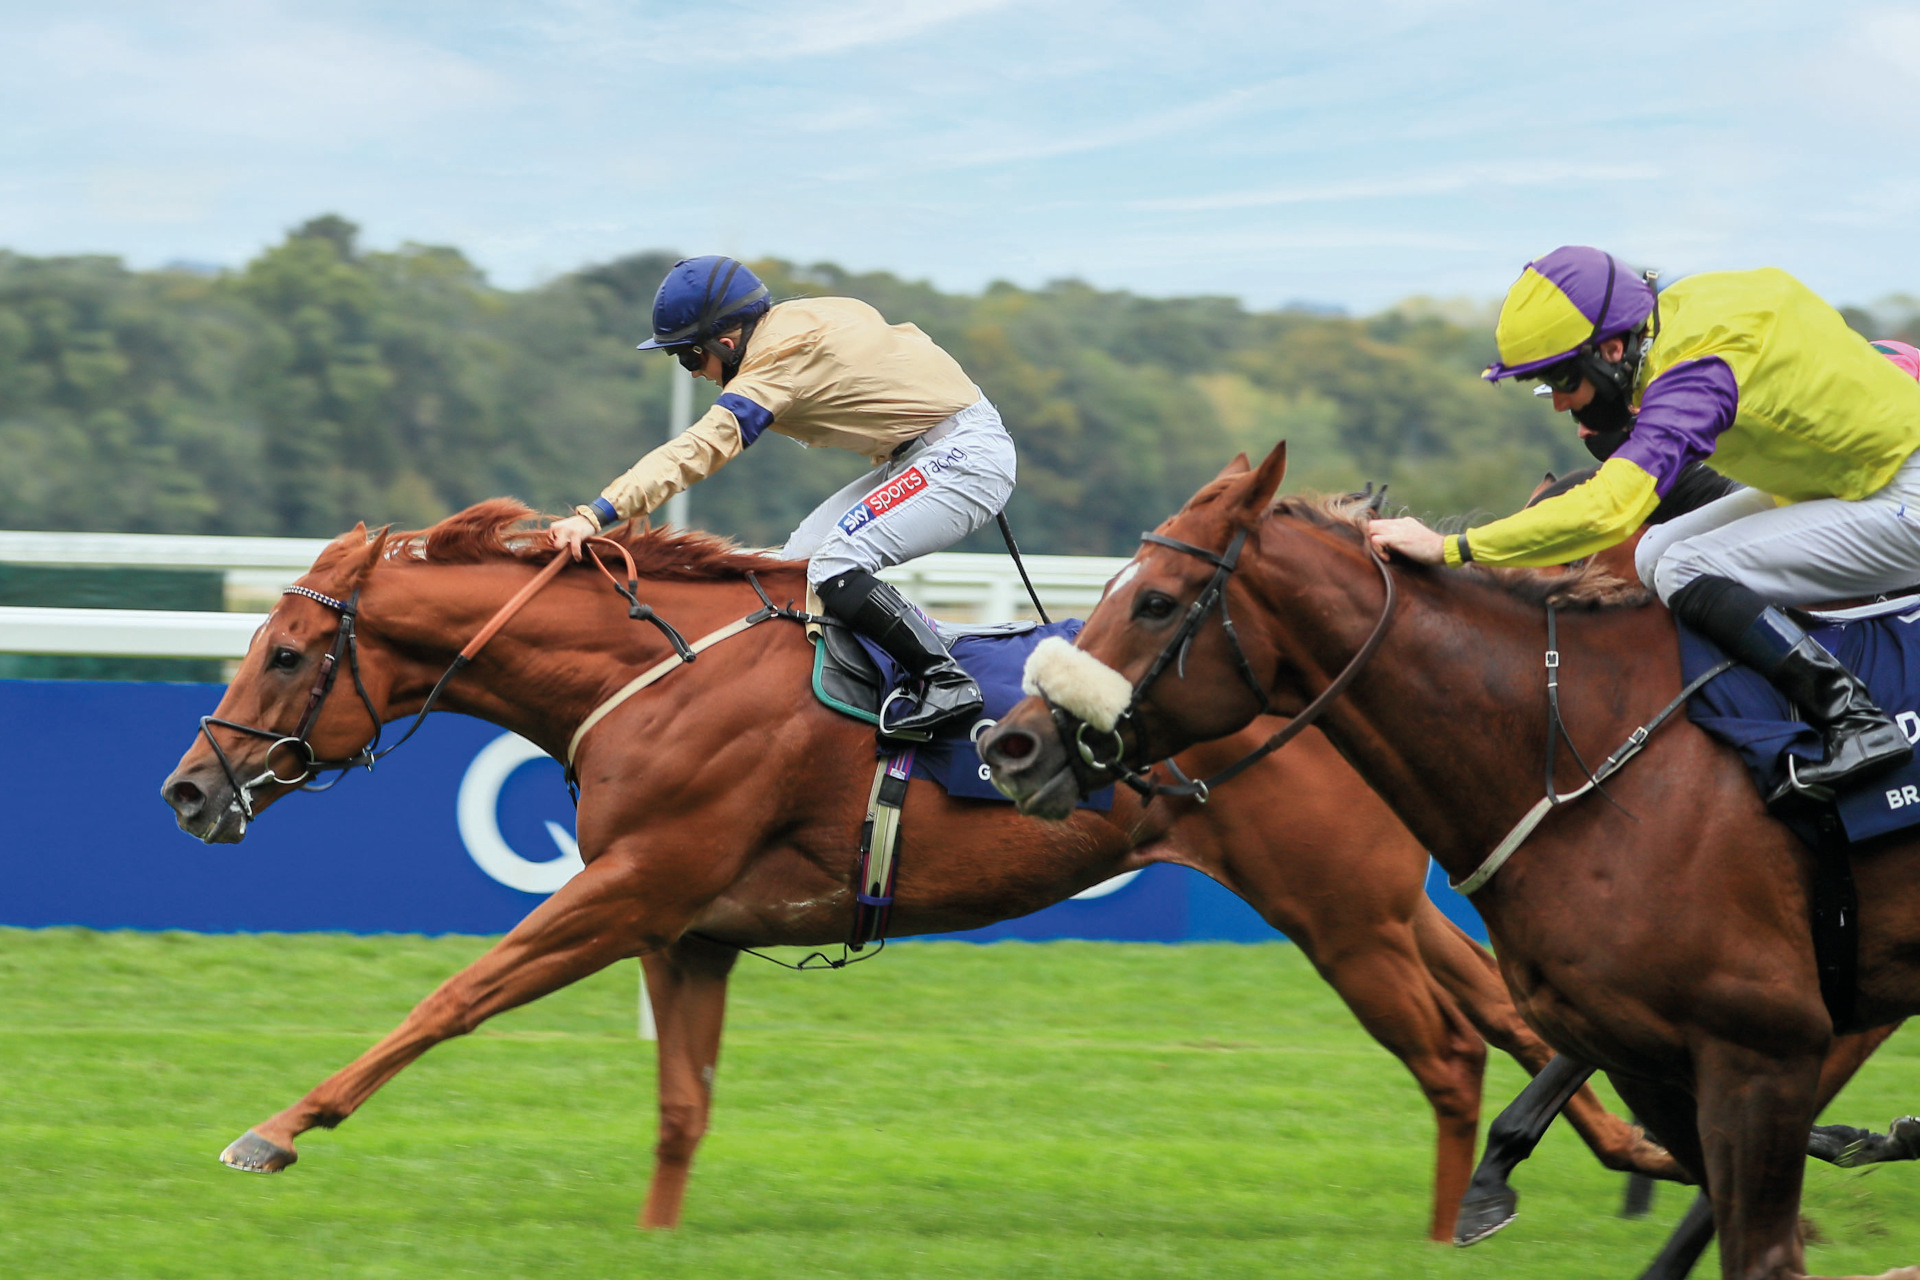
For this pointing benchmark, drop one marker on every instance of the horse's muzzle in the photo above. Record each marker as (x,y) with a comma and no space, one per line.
(1030,768)
(204,807)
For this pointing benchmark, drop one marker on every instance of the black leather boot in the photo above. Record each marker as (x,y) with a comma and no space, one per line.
(1861,739)
(882,615)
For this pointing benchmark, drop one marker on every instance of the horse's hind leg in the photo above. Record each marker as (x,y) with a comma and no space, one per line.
(607,912)
(688,985)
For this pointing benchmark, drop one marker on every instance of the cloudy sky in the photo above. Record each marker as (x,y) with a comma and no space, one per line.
(1338,153)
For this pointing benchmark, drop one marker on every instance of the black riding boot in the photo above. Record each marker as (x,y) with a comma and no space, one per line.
(879,613)
(1861,739)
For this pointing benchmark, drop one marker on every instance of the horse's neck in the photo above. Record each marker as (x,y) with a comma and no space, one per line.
(559,656)
(1448,721)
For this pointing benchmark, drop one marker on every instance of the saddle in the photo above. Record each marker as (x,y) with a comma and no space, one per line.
(855,678)
(1879,642)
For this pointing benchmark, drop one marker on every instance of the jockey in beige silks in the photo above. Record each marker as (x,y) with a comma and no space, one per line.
(1753,370)
(831,371)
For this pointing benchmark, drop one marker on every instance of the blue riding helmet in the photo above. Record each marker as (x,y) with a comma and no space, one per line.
(701,297)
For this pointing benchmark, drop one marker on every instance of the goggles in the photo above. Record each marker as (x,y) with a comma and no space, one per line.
(692,358)
(1564,377)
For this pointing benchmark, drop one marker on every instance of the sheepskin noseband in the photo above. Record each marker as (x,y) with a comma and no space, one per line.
(1077,681)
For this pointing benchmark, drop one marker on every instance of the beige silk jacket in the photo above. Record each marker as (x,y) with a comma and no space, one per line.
(825,371)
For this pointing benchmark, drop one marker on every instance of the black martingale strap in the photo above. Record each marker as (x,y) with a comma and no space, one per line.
(1552,800)
(1556,726)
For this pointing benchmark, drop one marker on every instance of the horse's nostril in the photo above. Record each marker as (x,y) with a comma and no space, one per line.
(185,797)
(1013,745)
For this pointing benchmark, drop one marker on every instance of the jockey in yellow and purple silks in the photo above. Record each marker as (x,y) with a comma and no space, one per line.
(1752,369)
(831,371)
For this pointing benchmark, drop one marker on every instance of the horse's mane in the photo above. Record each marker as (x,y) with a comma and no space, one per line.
(1588,587)
(497,530)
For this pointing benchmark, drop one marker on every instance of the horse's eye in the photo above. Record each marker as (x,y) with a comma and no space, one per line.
(284,659)
(1154,604)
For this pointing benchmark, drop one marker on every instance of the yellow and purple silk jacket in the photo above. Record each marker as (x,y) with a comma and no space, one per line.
(1754,370)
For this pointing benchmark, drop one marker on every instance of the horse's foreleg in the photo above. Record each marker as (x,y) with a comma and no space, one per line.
(1490,1203)
(1400,1006)
(688,985)
(1754,1111)
(609,911)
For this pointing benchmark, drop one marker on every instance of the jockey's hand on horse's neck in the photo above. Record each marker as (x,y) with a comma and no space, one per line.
(1409,537)
(1422,545)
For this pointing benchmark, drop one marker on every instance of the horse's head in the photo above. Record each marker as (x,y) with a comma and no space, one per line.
(1163,662)
(284,713)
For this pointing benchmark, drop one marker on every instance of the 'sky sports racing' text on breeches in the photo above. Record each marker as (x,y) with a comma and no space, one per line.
(945,485)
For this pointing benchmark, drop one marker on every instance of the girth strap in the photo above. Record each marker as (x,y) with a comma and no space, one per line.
(879,845)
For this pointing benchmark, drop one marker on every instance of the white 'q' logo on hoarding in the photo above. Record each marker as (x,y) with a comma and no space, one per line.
(478,813)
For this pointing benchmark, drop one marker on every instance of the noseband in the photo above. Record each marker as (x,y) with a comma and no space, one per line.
(1098,770)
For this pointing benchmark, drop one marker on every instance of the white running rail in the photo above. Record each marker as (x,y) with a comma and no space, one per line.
(952,585)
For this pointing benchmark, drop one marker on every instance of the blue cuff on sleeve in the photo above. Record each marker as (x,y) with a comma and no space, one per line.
(752,418)
(605,510)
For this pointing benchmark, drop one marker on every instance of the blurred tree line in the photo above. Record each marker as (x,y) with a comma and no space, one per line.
(323,384)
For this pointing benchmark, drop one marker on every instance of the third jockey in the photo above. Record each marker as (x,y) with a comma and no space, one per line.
(831,371)
(1754,370)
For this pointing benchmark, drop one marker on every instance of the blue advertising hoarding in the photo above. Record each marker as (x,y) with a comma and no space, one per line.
(463,832)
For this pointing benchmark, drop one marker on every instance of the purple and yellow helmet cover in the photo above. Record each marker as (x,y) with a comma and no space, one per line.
(1553,309)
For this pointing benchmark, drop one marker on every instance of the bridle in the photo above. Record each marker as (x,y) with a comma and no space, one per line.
(1090,767)
(346,645)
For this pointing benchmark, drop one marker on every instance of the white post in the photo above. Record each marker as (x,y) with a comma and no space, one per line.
(680,417)
(647,1030)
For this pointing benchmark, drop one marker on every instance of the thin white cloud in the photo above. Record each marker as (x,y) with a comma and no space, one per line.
(1463,179)
(246,70)
(963,150)
(610,31)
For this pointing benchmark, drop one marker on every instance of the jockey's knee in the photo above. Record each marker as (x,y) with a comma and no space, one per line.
(1673,569)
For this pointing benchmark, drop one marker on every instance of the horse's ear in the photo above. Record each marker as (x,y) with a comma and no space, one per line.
(1266,482)
(364,562)
(1238,467)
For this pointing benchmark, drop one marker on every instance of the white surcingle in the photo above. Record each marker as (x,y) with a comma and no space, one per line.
(1076,681)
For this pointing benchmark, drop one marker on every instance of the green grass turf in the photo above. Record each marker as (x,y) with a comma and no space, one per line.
(1069,1109)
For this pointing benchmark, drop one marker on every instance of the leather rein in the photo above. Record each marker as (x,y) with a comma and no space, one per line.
(346,646)
(1174,653)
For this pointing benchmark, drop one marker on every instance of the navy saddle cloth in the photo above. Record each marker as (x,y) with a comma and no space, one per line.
(853,675)
(1748,714)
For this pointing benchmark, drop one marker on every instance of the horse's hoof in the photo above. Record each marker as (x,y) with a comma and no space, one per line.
(251,1153)
(1481,1216)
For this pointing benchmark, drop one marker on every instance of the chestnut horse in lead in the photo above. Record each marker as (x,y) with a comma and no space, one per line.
(1663,937)
(720,809)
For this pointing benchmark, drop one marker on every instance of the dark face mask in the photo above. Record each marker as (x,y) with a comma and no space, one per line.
(1608,417)
(1604,444)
